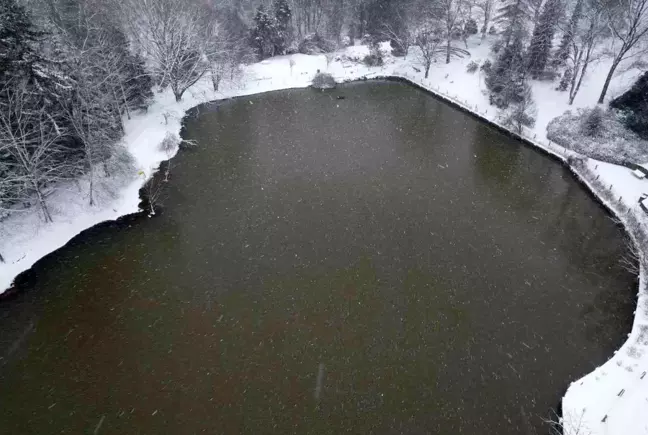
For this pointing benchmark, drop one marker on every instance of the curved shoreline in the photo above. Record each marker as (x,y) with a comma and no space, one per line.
(580,416)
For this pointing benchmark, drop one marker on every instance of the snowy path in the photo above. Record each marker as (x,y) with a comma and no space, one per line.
(611,400)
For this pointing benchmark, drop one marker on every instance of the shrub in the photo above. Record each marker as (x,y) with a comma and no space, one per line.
(637,121)
(323,81)
(548,76)
(486,66)
(593,122)
(472,67)
(614,144)
(398,49)
(497,46)
(471,27)
(492,31)
(316,44)
(634,106)
(373,59)
(169,143)
(565,81)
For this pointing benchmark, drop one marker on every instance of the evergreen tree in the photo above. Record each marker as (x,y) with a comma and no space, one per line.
(633,104)
(513,14)
(263,34)
(137,84)
(540,46)
(566,80)
(506,80)
(283,15)
(562,54)
(18,40)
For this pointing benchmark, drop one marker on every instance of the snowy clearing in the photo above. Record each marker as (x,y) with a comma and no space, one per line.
(611,400)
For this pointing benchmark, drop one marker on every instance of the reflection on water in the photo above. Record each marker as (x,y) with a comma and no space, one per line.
(378,264)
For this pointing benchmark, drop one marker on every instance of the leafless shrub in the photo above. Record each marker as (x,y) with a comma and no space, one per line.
(558,426)
(169,143)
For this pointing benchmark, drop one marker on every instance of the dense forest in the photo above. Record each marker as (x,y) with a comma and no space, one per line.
(71,71)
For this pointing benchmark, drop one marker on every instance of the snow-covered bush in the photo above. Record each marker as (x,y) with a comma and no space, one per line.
(497,46)
(472,67)
(614,143)
(548,76)
(316,44)
(169,143)
(471,27)
(565,81)
(633,104)
(375,56)
(593,122)
(486,66)
(323,81)
(373,59)
(121,164)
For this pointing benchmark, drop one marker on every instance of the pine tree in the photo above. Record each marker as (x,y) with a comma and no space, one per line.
(283,15)
(138,83)
(540,46)
(506,80)
(565,44)
(18,39)
(263,34)
(513,14)
(566,80)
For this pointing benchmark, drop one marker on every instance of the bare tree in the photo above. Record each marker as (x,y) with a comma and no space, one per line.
(401,29)
(31,146)
(402,38)
(628,21)
(95,108)
(449,15)
(585,38)
(308,16)
(176,39)
(428,41)
(335,18)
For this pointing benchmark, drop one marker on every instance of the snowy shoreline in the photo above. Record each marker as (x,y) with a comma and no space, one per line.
(605,401)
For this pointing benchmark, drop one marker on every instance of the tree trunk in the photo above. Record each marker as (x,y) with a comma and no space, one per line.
(608,79)
(448,51)
(215,79)
(178,94)
(580,80)
(486,22)
(91,185)
(128,115)
(574,79)
(427,69)
(41,202)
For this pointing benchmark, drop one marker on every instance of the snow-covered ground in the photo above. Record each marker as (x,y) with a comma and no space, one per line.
(611,400)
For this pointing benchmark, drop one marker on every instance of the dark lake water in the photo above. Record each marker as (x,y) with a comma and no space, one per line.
(379,264)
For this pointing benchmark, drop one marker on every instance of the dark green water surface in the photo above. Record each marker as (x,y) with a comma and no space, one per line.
(381,264)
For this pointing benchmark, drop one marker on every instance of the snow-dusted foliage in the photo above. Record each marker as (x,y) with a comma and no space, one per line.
(633,105)
(170,143)
(323,81)
(598,134)
(315,44)
(472,67)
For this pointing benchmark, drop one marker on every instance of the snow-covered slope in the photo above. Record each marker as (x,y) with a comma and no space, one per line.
(611,400)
